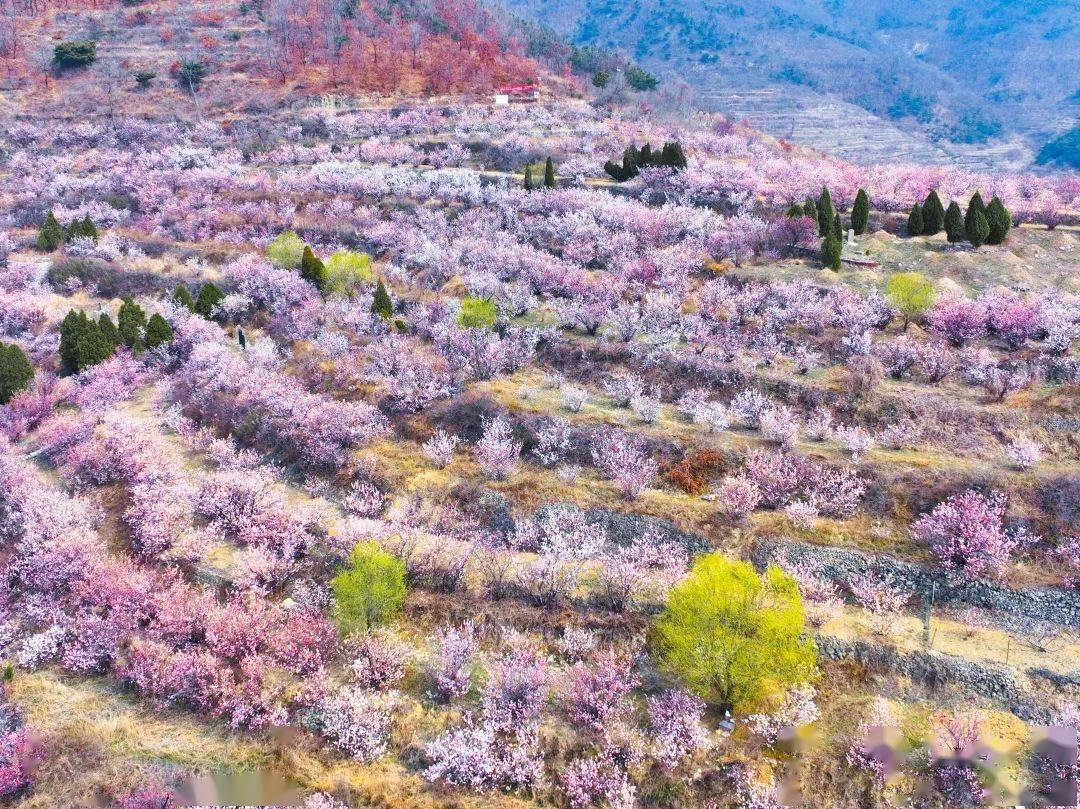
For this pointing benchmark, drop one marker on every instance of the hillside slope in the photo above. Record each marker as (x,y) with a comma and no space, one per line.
(969,79)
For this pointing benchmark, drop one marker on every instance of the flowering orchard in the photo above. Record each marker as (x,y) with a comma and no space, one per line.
(329,429)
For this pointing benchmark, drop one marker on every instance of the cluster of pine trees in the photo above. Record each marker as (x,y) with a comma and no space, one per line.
(981,224)
(52,234)
(549,176)
(85,342)
(16,371)
(830,228)
(634,159)
(209,297)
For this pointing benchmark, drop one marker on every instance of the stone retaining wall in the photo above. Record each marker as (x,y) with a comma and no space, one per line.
(1055,605)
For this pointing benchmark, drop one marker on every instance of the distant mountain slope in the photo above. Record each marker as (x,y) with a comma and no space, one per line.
(971,76)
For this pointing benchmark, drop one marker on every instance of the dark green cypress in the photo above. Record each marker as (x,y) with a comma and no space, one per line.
(678,156)
(645,156)
(16,371)
(831,249)
(810,209)
(50,235)
(182,296)
(795,211)
(825,211)
(131,323)
(933,214)
(954,224)
(89,229)
(240,338)
(838,229)
(70,329)
(976,204)
(108,328)
(997,216)
(312,269)
(860,213)
(915,221)
(91,347)
(549,173)
(528,178)
(979,229)
(209,297)
(158,331)
(381,304)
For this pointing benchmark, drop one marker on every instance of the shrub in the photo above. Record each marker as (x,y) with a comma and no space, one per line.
(915,224)
(954,224)
(74,53)
(370,591)
(144,77)
(16,372)
(287,250)
(692,472)
(191,73)
(734,637)
(477,313)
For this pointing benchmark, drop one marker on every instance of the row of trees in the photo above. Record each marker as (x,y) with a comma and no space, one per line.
(549,176)
(981,224)
(85,342)
(634,159)
(51,234)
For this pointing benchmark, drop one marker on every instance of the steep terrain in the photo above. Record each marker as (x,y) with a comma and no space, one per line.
(967,78)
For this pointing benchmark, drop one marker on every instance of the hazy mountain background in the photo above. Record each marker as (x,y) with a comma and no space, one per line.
(993,83)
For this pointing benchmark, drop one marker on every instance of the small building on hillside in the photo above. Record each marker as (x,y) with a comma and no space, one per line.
(517,94)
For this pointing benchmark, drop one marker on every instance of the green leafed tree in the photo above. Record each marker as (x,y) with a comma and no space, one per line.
(158,331)
(287,250)
(860,213)
(209,297)
(370,591)
(50,235)
(734,637)
(933,214)
(915,221)
(838,229)
(999,220)
(810,209)
(549,173)
(348,271)
(529,184)
(795,211)
(16,371)
(954,224)
(910,293)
